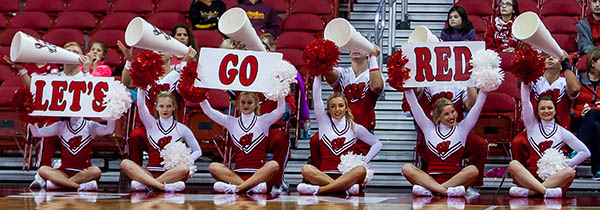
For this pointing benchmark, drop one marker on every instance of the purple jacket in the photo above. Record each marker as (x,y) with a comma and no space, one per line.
(456,35)
(262,17)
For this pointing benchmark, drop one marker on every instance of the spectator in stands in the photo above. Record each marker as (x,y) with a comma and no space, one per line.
(587,109)
(263,17)
(183,34)
(458,27)
(204,14)
(588,29)
(32,68)
(97,53)
(499,35)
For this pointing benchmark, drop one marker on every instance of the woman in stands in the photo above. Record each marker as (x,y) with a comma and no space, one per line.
(445,140)
(499,35)
(249,132)
(161,132)
(544,132)
(97,53)
(183,34)
(338,135)
(204,14)
(458,27)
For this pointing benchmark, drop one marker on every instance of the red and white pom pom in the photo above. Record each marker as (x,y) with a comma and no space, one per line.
(146,68)
(350,161)
(186,84)
(320,56)
(117,100)
(486,73)
(528,65)
(176,153)
(284,75)
(552,161)
(397,71)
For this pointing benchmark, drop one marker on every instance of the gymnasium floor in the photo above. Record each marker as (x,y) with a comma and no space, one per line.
(18,196)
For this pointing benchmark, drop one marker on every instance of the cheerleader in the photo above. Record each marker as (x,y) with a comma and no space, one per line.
(161,132)
(445,139)
(335,127)
(248,134)
(543,134)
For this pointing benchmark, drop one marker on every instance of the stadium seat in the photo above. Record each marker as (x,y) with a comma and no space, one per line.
(96,6)
(10,6)
(303,22)
(560,17)
(113,57)
(211,136)
(14,81)
(76,19)
(48,6)
(561,8)
(294,56)
(166,20)
(109,37)
(480,26)
(5,73)
(230,3)
(136,6)
(61,36)
(6,36)
(208,38)
(31,20)
(2,21)
(280,6)
(117,20)
(581,64)
(4,50)
(528,6)
(181,6)
(318,7)
(294,40)
(479,8)
(497,122)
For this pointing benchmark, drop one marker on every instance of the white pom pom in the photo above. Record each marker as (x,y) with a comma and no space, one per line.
(486,73)
(117,100)
(284,75)
(351,160)
(552,161)
(176,153)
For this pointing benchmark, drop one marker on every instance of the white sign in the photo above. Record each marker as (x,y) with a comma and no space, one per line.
(237,69)
(59,96)
(439,63)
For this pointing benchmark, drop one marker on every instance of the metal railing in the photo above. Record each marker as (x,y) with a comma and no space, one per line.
(379,28)
(380,24)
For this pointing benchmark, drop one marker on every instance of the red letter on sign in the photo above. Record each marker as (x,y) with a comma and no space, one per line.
(57,101)
(77,87)
(423,67)
(99,96)
(462,74)
(227,76)
(443,72)
(39,91)
(246,79)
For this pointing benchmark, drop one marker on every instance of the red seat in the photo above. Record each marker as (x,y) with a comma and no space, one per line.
(10,6)
(75,19)
(560,17)
(181,6)
(2,21)
(32,20)
(208,38)
(96,6)
(280,6)
(528,6)
(479,25)
(294,39)
(166,20)
(109,37)
(7,94)
(211,136)
(561,8)
(61,36)
(303,22)
(294,56)
(113,57)
(230,3)
(497,120)
(582,64)
(5,73)
(52,6)
(118,20)
(7,35)
(136,6)
(14,81)
(4,50)
(319,7)
(480,8)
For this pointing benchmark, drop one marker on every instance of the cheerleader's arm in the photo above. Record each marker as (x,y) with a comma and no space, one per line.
(318,101)
(46,131)
(147,119)
(583,152)
(417,112)
(214,115)
(527,111)
(275,115)
(364,135)
(103,130)
(191,142)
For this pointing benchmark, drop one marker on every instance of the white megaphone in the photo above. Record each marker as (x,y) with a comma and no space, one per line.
(341,32)
(529,28)
(422,34)
(142,34)
(27,49)
(235,24)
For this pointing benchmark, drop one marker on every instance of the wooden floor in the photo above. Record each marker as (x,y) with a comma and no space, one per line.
(18,196)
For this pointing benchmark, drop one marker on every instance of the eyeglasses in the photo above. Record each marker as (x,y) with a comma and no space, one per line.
(502,4)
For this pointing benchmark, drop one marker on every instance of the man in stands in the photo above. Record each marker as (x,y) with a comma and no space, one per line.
(263,17)
(588,29)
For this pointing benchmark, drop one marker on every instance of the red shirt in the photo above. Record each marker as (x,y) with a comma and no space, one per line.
(46,68)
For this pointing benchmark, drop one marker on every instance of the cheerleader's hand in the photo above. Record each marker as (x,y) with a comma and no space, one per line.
(191,53)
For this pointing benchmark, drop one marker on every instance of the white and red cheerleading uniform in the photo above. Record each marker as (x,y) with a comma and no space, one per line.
(161,132)
(248,135)
(338,137)
(445,145)
(542,135)
(75,136)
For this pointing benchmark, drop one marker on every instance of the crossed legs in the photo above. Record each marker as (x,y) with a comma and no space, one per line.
(313,175)
(137,173)
(523,178)
(222,173)
(418,177)
(60,178)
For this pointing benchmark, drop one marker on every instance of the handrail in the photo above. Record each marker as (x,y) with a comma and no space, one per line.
(379,28)
(392,26)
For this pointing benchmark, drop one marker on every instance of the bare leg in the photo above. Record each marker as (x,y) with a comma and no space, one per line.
(563,179)
(464,177)
(222,173)
(57,177)
(525,179)
(262,175)
(137,173)
(180,172)
(89,174)
(416,176)
(315,176)
(354,176)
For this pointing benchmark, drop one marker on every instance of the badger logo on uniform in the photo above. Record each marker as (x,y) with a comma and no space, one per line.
(338,143)
(355,92)
(162,142)
(74,142)
(246,140)
(443,147)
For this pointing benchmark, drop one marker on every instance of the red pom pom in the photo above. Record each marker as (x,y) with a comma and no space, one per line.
(320,56)
(22,100)
(527,65)
(146,68)
(186,84)
(397,72)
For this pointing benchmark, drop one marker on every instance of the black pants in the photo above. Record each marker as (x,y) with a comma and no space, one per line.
(589,134)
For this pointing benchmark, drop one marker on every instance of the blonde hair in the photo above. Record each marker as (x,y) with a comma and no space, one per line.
(226,44)
(166,94)
(69,44)
(438,107)
(254,97)
(349,116)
